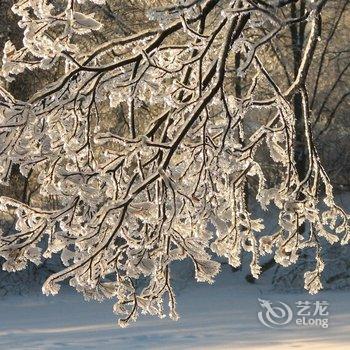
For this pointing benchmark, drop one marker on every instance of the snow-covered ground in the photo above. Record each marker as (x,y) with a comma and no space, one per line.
(219,316)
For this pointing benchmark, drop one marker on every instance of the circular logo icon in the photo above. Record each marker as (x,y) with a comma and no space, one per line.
(274,314)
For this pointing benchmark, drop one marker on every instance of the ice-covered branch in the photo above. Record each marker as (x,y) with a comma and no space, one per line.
(144,142)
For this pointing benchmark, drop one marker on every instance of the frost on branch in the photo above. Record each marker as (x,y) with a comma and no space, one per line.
(145,143)
(49,35)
